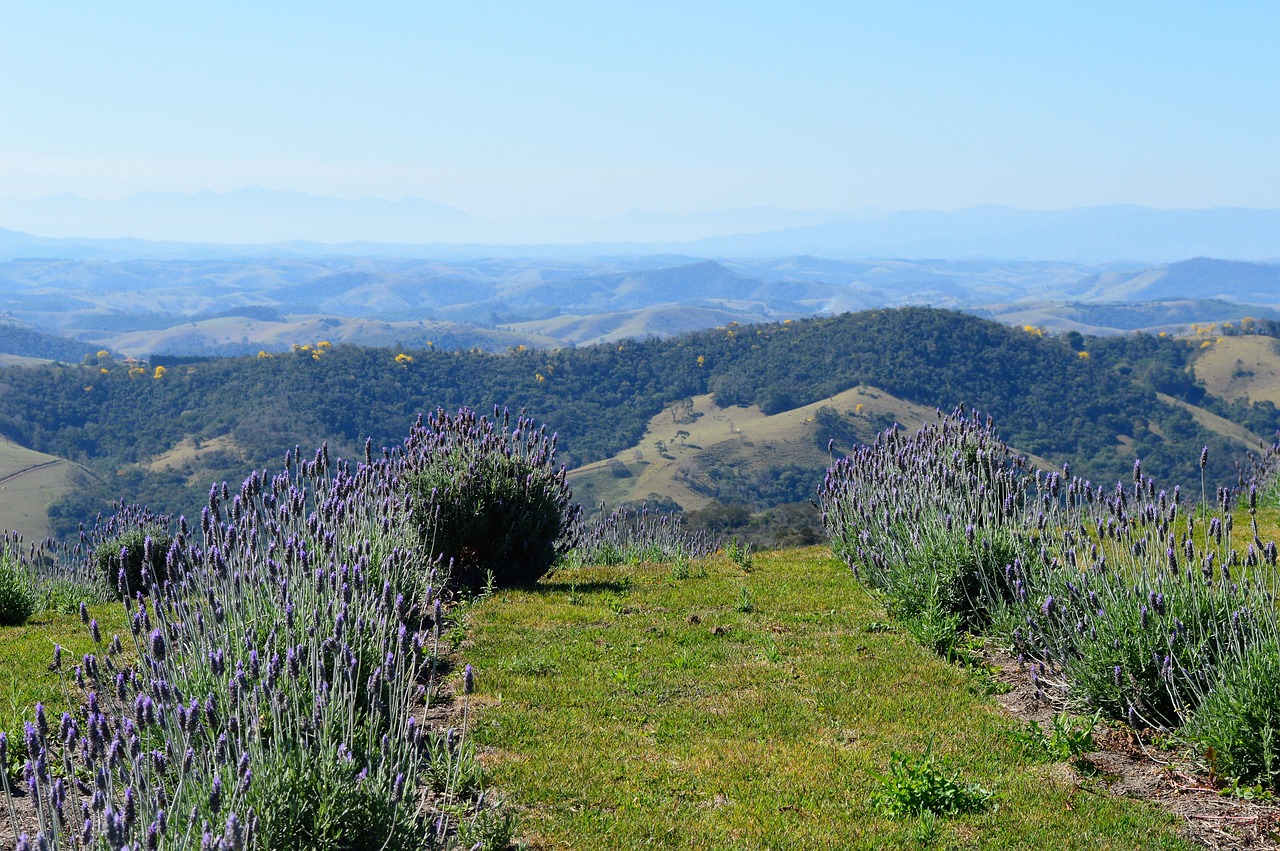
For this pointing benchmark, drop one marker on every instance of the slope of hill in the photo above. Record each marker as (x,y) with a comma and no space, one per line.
(1244,368)
(695,452)
(29,483)
(1257,283)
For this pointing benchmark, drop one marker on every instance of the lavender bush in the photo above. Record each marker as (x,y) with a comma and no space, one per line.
(133,550)
(489,498)
(933,521)
(18,598)
(268,694)
(1123,599)
(631,536)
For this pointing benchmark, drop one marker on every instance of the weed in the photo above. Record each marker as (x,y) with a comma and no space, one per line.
(740,554)
(746,604)
(1069,738)
(916,784)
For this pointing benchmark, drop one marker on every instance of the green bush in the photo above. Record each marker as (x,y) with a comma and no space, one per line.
(133,549)
(489,500)
(1237,726)
(18,598)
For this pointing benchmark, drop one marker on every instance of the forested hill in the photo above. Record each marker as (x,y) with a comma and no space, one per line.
(18,340)
(1048,398)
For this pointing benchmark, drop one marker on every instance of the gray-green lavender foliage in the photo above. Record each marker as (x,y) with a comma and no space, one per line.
(18,597)
(267,694)
(1122,599)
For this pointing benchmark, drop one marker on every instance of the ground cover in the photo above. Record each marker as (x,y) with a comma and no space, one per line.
(713,706)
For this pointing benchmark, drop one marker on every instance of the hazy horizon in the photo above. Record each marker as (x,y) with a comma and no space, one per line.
(511,112)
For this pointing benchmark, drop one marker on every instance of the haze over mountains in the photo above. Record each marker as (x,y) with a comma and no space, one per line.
(254,221)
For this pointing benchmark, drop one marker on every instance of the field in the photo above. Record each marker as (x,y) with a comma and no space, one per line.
(29,482)
(633,707)
(1246,367)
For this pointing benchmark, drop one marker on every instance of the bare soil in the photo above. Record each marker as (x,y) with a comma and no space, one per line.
(1126,765)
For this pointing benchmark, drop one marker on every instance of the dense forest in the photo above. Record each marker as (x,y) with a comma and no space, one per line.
(1065,398)
(20,340)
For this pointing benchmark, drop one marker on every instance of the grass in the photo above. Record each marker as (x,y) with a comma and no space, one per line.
(623,707)
(25,654)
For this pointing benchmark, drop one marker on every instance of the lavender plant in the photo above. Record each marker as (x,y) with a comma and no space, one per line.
(132,550)
(267,694)
(489,497)
(1123,600)
(18,597)
(933,521)
(635,536)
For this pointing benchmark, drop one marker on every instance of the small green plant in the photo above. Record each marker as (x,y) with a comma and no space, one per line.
(740,554)
(489,828)
(450,765)
(916,784)
(926,830)
(18,598)
(746,604)
(1069,739)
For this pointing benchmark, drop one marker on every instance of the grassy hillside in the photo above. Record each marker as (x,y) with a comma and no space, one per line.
(1245,367)
(696,452)
(29,483)
(1091,402)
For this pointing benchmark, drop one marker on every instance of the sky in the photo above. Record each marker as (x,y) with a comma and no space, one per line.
(556,108)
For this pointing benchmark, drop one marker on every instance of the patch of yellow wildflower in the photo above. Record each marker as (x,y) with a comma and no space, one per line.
(403,359)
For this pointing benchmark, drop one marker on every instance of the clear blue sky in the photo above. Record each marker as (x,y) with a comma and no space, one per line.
(536,108)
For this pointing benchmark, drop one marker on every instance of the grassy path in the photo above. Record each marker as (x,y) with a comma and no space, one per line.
(626,708)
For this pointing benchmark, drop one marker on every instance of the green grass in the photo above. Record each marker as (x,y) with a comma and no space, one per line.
(624,708)
(25,654)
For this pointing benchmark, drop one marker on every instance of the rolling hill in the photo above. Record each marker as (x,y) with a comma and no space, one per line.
(30,482)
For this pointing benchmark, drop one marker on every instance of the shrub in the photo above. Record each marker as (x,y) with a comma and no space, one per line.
(635,536)
(489,499)
(1237,726)
(18,598)
(933,522)
(131,551)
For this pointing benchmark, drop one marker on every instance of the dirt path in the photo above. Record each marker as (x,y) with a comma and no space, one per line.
(16,473)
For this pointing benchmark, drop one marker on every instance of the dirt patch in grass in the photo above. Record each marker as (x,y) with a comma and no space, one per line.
(1126,766)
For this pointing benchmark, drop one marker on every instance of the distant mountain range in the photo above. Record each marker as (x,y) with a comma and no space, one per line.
(237,306)
(260,222)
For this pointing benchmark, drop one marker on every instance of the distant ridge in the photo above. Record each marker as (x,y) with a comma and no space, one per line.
(260,222)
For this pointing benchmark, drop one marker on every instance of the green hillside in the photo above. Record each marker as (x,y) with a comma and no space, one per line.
(1091,402)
